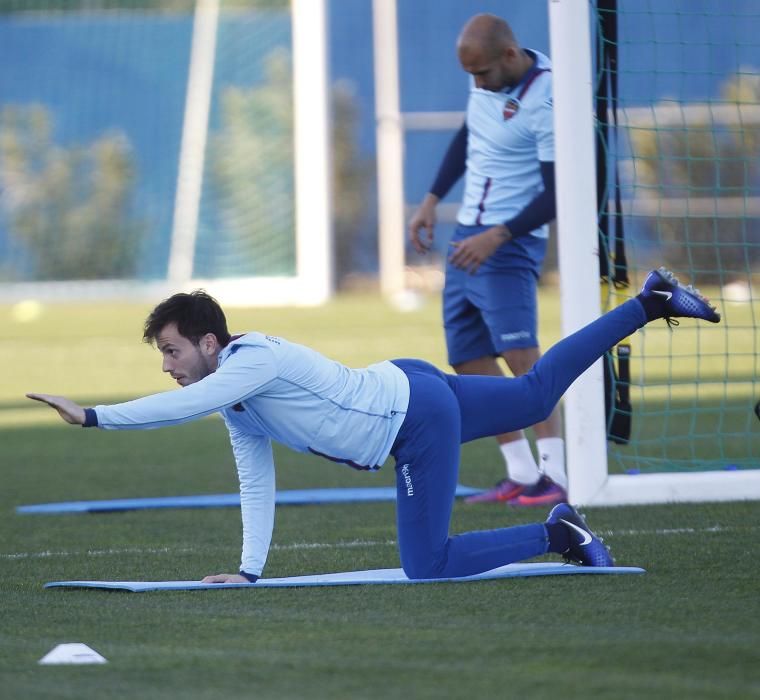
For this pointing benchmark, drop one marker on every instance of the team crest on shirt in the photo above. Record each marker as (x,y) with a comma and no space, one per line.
(511,106)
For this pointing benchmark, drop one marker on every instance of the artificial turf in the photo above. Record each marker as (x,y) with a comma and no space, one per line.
(688,628)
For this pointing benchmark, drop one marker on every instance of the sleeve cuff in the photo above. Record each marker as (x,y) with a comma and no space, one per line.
(250,577)
(90,418)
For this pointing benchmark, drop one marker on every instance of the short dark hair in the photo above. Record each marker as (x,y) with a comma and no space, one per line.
(195,314)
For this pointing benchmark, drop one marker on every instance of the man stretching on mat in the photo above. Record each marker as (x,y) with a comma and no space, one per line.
(267,388)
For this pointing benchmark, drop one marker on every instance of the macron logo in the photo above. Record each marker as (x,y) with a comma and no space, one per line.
(407,480)
(519,335)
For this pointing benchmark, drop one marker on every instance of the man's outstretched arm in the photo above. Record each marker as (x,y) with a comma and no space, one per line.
(256,492)
(240,376)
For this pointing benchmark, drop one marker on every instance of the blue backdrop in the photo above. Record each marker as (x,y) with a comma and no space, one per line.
(137,66)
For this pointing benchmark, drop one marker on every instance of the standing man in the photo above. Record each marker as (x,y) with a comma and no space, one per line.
(505,149)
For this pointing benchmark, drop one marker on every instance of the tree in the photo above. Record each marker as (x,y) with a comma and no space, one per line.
(352,175)
(705,165)
(68,209)
(252,183)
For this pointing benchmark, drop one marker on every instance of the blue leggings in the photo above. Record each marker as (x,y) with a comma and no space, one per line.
(447,410)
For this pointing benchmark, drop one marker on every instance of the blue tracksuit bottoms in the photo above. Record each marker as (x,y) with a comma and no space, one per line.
(447,410)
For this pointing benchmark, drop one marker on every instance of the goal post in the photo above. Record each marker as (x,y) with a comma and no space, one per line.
(660,378)
(312,283)
(578,255)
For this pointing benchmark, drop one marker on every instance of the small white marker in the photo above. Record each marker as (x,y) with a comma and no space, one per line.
(26,311)
(74,653)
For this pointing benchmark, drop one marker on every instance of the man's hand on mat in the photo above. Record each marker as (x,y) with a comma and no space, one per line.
(225,578)
(70,412)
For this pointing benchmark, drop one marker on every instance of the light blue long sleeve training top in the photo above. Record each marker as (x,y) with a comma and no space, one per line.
(267,388)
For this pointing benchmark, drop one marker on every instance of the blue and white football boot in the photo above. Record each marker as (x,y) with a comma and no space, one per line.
(585,547)
(676,299)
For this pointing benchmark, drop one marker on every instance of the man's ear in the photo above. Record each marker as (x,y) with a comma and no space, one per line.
(209,344)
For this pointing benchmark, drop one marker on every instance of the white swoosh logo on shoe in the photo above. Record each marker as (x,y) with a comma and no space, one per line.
(667,295)
(580,530)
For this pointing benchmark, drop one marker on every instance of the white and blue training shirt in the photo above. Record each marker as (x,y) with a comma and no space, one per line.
(267,388)
(509,133)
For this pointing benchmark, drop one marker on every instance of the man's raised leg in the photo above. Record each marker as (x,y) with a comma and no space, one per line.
(491,406)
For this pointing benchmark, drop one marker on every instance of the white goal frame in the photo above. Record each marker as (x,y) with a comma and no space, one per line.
(590,482)
(585,423)
(312,283)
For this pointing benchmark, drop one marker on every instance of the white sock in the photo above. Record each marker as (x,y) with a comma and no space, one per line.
(551,454)
(521,466)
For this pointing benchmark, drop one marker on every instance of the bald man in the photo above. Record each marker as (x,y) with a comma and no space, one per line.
(505,150)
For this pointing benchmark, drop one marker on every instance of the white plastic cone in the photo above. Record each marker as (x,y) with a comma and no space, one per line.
(74,653)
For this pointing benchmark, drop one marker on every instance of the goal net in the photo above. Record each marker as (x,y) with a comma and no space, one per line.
(149,146)
(680,144)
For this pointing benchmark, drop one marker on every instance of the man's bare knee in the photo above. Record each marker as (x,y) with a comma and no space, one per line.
(521,360)
(483,365)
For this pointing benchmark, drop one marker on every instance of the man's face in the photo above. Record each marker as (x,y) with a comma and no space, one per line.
(490,71)
(185,361)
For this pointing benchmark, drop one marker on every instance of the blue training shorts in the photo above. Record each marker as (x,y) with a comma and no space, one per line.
(495,309)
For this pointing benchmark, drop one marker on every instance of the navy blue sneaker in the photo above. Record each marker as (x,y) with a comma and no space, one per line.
(585,547)
(677,300)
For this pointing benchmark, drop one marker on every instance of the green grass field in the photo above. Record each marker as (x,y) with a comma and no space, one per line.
(688,628)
